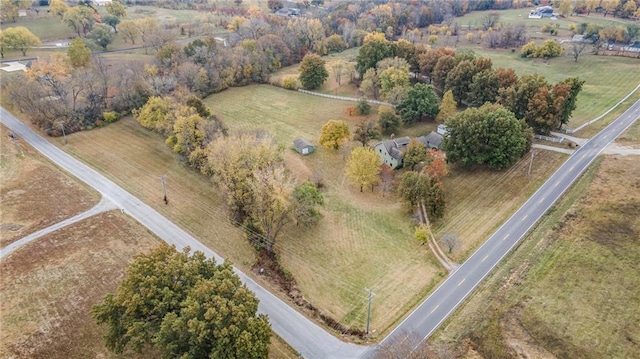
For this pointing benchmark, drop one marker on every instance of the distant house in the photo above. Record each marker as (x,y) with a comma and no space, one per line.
(540,12)
(102,2)
(291,12)
(634,47)
(442,129)
(303,146)
(391,151)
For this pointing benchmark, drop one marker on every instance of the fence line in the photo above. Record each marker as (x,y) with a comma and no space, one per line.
(549,138)
(343,98)
(573,130)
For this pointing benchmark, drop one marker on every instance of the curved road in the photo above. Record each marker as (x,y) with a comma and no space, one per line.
(302,334)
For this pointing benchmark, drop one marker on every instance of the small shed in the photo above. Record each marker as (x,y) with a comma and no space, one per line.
(303,146)
(432,140)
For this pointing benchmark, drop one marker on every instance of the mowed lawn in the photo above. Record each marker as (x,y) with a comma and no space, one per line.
(571,289)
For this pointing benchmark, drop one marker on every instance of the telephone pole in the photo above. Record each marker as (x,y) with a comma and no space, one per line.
(163,179)
(63,133)
(533,153)
(371,295)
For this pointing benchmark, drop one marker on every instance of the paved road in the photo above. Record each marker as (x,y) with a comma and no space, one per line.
(102,206)
(301,333)
(445,299)
(305,336)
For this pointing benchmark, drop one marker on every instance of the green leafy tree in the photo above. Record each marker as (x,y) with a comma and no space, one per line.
(416,152)
(101,34)
(112,21)
(362,107)
(313,72)
(393,78)
(365,131)
(19,38)
(448,107)
(442,68)
(115,8)
(420,103)
(483,88)
(363,167)
(79,54)
(490,136)
(417,188)
(80,19)
(306,199)
(334,134)
(185,306)
(388,120)
(375,49)
(459,79)
(570,99)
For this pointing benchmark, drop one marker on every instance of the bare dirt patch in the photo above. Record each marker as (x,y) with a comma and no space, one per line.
(47,288)
(34,194)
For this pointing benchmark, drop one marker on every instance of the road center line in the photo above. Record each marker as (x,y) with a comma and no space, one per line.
(507,236)
(461,281)
(434,309)
(523,218)
(541,199)
(485,257)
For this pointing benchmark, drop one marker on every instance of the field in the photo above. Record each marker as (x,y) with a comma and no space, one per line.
(47,288)
(571,289)
(518,16)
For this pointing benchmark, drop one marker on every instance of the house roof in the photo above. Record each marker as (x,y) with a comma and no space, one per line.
(432,139)
(396,146)
(300,143)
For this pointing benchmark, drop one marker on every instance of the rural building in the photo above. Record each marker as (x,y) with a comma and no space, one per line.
(442,129)
(303,146)
(542,11)
(391,151)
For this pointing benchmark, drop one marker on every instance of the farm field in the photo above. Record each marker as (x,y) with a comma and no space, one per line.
(48,286)
(571,289)
(518,16)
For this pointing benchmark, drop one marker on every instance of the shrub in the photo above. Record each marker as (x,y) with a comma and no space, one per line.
(363,108)
(290,83)
(110,116)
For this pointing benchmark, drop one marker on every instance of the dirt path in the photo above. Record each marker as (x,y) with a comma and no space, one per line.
(103,206)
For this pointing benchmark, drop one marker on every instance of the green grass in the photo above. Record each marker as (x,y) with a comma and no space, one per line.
(519,16)
(44,26)
(607,78)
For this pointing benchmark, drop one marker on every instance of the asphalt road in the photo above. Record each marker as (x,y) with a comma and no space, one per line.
(302,334)
(425,319)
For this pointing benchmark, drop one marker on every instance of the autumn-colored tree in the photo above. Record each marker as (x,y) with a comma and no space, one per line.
(370,85)
(188,133)
(334,134)
(338,69)
(335,43)
(388,120)
(375,48)
(79,54)
(184,305)
(428,60)
(393,78)
(448,107)
(490,135)
(366,130)
(565,7)
(459,79)
(417,188)
(153,115)
(416,152)
(80,19)
(115,8)
(313,72)
(275,5)
(129,31)
(52,73)
(10,8)
(437,164)
(58,7)
(19,38)
(442,68)
(506,77)
(363,167)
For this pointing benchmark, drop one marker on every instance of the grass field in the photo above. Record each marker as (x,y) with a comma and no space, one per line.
(48,287)
(571,289)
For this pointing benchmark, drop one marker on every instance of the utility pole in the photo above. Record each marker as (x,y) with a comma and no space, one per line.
(163,179)
(533,153)
(63,133)
(371,295)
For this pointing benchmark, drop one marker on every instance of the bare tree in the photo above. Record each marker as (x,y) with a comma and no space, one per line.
(451,241)
(489,20)
(577,48)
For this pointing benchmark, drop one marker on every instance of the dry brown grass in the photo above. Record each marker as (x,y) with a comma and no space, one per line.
(571,289)
(34,194)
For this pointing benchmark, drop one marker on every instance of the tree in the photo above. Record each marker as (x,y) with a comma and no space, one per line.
(185,306)
(362,107)
(450,241)
(365,131)
(393,78)
(237,2)
(58,7)
(363,167)
(275,5)
(335,43)
(112,21)
(388,120)
(370,85)
(416,152)
(153,115)
(459,79)
(436,164)
(565,7)
(80,19)
(188,133)
(115,8)
(568,102)
(483,88)
(272,204)
(101,34)
(337,69)
(448,107)
(442,68)
(313,72)
(490,135)
(129,31)
(375,48)
(306,199)
(420,103)
(417,188)
(10,8)
(19,38)
(79,54)
(334,134)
